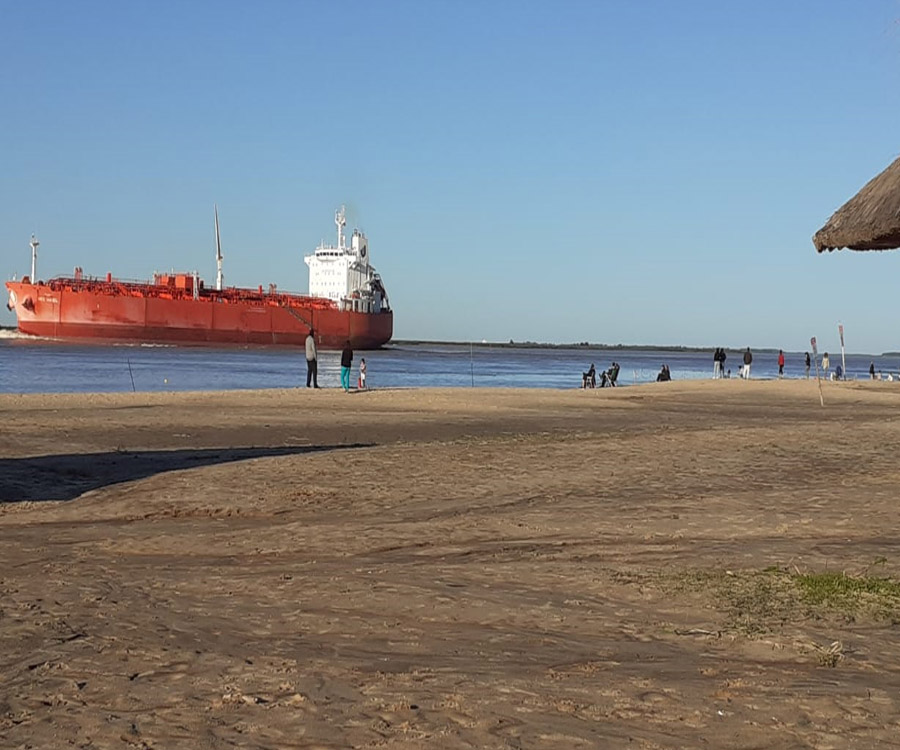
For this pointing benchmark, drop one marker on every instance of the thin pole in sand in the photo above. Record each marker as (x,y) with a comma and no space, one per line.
(132,375)
(812,341)
(843,361)
(472,361)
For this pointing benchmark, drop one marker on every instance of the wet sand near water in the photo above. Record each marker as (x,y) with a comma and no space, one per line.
(460,568)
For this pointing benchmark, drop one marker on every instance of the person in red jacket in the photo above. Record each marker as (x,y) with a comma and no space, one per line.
(780,363)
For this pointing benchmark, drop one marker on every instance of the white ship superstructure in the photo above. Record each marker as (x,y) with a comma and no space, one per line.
(344,274)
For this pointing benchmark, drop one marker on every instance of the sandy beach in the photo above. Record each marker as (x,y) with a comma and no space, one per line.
(473,568)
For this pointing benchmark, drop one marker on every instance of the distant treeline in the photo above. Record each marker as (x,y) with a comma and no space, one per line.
(575,345)
(603,347)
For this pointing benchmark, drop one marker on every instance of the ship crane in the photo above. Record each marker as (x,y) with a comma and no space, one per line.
(220,278)
(34,246)
(341,220)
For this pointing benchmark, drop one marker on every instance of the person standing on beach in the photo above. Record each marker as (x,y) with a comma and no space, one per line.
(748,359)
(717,364)
(825,366)
(872,370)
(312,363)
(346,364)
(362,374)
(780,363)
(807,365)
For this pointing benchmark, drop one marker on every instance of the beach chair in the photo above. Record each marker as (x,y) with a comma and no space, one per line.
(613,375)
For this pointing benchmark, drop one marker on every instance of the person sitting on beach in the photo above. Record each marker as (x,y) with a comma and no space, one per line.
(608,377)
(589,378)
(664,375)
(612,374)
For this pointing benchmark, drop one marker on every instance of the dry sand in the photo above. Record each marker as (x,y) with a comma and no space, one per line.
(448,568)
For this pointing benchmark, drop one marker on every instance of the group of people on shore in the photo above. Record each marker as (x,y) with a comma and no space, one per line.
(719,357)
(312,365)
(611,376)
(719,371)
(608,377)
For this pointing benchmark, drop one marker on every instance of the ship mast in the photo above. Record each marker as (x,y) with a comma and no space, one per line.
(219,277)
(341,221)
(34,246)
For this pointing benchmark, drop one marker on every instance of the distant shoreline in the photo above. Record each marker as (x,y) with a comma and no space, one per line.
(573,345)
(586,345)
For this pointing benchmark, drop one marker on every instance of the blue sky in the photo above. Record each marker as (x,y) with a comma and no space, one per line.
(617,172)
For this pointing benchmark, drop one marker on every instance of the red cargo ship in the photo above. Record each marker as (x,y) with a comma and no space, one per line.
(347,300)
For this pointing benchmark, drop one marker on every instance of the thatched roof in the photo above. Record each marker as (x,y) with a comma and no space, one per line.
(870,220)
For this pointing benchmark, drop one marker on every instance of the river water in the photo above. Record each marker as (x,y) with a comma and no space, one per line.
(30,365)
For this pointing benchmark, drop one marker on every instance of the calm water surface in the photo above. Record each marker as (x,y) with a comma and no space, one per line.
(33,366)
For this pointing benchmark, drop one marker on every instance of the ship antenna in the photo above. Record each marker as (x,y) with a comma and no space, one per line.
(341,222)
(34,246)
(219,277)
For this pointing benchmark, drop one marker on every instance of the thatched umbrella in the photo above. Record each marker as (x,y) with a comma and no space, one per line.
(870,220)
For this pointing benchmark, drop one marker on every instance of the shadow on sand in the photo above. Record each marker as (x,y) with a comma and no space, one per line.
(65,477)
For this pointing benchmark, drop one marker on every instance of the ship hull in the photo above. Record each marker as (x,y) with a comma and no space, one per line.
(81,314)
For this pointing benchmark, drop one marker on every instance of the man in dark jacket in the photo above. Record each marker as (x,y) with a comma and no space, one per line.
(748,359)
(346,364)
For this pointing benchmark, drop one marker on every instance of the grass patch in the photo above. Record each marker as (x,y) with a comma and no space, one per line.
(749,602)
(759,602)
(850,594)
